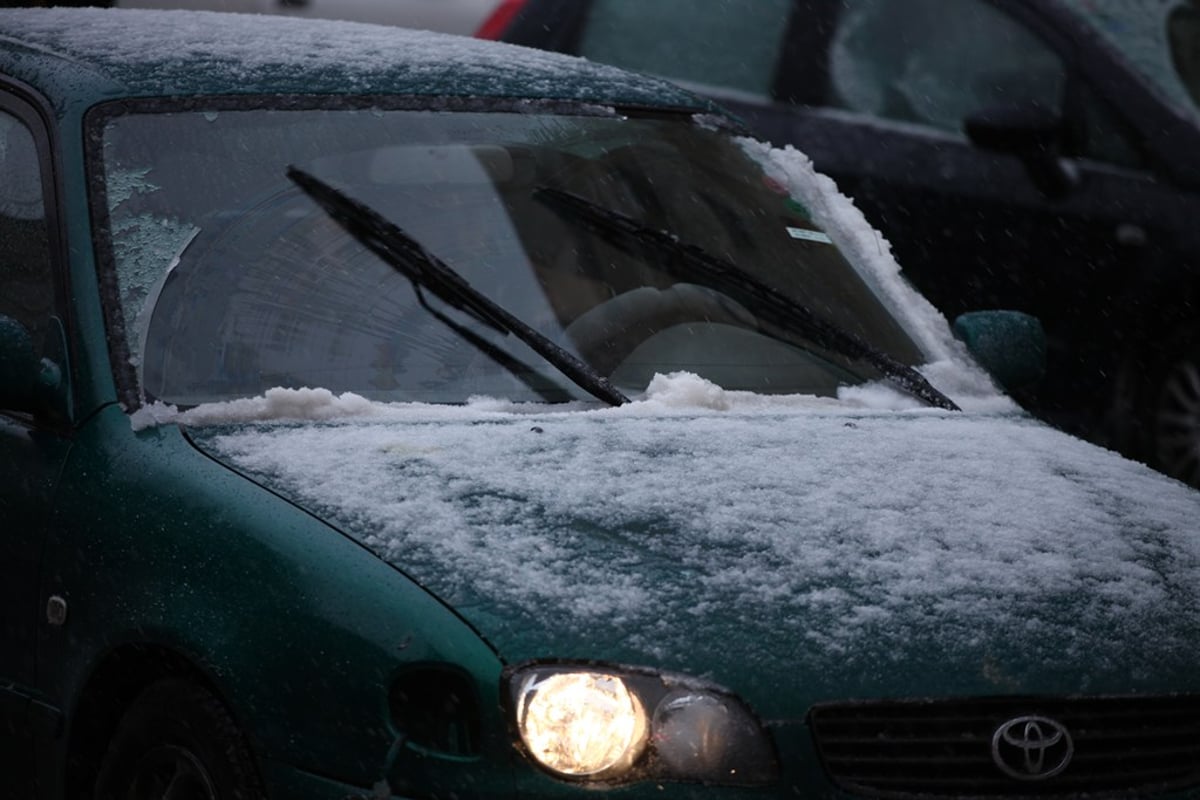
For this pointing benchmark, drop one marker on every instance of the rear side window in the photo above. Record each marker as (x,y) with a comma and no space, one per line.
(717,43)
(934,62)
(1159,38)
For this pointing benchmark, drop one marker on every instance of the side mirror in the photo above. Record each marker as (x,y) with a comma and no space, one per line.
(26,383)
(1010,345)
(1034,134)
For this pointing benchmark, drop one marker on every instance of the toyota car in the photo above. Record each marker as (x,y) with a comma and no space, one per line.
(389,414)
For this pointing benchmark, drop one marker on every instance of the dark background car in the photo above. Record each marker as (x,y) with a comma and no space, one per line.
(1036,155)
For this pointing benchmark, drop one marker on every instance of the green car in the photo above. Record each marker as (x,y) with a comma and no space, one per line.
(387,414)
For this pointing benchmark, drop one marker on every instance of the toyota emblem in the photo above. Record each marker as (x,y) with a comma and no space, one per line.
(1032,748)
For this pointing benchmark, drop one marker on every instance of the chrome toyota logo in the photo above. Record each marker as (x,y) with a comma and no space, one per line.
(1032,748)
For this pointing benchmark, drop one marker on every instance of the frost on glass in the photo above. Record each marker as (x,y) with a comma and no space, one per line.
(21,189)
(1160,38)
(145,247)
(935,63)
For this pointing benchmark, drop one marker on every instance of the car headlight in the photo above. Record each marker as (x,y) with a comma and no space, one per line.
(621,724)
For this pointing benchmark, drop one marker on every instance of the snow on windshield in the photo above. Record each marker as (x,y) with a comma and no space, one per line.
(863,245)
(950,369)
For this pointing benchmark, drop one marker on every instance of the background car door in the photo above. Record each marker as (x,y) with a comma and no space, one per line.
(32,448)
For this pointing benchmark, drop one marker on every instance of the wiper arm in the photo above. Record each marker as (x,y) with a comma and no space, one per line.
(687,261)
(406,255)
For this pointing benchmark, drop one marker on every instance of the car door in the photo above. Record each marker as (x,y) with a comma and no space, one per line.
(33,446)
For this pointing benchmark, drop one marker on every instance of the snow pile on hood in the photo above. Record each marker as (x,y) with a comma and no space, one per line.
(685,390)
(679,392)
(275,404)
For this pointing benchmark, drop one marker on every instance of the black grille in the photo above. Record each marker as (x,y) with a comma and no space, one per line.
(1113,745)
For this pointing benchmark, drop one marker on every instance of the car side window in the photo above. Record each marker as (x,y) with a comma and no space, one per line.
(26,278)
(716,43)
(935,63)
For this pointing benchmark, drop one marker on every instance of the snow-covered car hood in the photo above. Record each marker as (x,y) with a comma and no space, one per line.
(794,555)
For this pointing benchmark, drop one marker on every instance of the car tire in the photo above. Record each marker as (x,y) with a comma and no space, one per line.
(1174,416)
(177,740)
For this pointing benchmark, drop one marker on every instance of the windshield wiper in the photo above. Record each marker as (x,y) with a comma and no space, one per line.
(406,255)
(687,261)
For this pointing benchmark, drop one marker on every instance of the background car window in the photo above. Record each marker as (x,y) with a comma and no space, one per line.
(733,45)
(1160,38)
(935,63)
(26,282)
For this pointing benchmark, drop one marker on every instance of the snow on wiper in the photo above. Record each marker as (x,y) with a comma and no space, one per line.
(687,261)
(426,271)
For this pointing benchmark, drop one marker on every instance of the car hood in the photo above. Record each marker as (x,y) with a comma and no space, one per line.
(793,557)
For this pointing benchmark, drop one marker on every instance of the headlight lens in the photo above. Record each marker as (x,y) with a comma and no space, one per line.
(581,723)
(624,724)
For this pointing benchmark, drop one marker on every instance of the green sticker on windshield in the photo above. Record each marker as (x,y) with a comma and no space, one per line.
(796,207)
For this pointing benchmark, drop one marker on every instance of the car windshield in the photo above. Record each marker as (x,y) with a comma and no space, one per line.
(232,280)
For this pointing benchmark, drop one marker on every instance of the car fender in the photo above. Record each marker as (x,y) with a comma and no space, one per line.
(154,548)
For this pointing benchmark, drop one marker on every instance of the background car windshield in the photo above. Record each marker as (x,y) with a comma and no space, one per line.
(233,281)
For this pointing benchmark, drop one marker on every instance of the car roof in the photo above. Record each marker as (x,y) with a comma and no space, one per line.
(77,57)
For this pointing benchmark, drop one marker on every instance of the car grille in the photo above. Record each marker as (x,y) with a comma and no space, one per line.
(1010,747)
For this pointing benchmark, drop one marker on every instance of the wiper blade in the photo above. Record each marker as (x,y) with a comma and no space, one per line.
(687,261)
(408,257)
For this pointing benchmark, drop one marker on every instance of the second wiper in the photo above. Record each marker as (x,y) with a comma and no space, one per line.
(689,261)
(426,271)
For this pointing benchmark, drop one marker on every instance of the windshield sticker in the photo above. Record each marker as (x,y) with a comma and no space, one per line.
(806,235)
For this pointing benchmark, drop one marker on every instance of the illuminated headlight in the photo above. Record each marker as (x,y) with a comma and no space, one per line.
(620,725)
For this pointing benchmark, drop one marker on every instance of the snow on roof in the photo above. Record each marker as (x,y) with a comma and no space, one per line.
(150,52)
